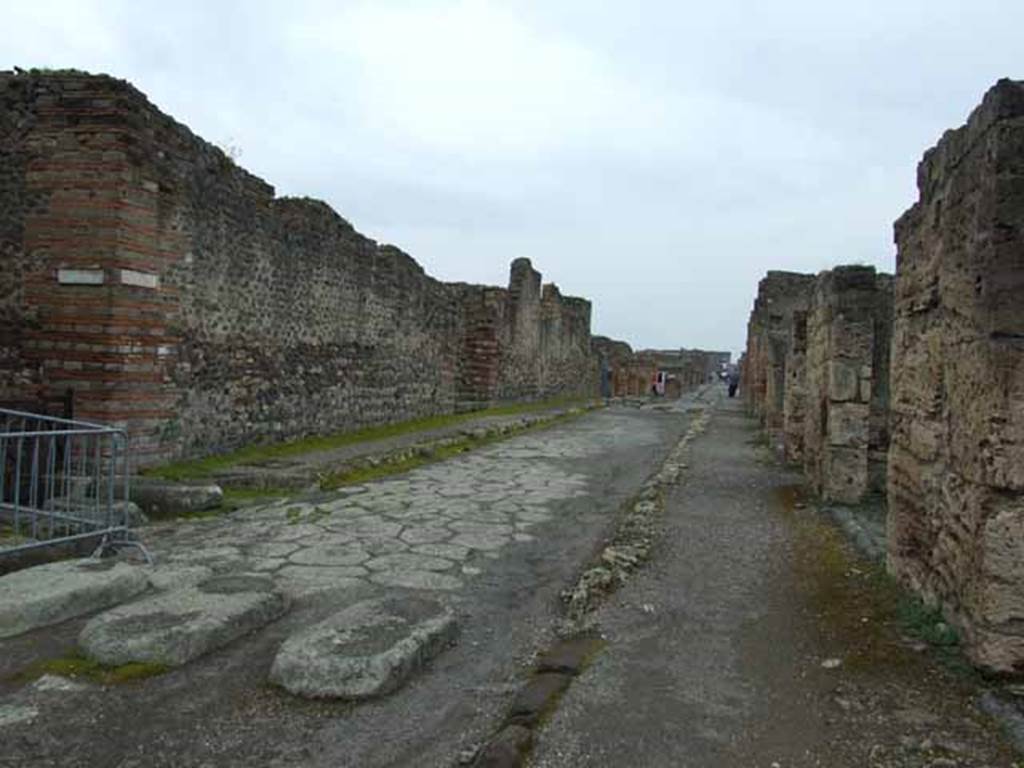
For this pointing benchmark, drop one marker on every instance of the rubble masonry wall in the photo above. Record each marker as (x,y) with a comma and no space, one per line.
(180,298)
(956,467)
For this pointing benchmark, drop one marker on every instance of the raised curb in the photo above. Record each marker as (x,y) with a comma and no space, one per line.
(55,592)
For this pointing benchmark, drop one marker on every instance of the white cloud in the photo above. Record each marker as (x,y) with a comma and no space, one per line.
(470,76)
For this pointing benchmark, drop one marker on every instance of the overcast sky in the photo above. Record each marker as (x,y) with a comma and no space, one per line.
(654,157)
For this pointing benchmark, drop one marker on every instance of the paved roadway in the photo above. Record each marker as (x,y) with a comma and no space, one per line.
(496,533)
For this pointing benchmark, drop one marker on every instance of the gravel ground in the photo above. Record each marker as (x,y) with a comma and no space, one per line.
(758,637)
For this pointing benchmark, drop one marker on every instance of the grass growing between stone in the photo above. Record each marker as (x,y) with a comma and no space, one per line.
(79,667)
(202,468)
(860,606)
(365,474)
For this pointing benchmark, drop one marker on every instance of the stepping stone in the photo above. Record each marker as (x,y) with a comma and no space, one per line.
(369,649)
(175,627)
(52,593)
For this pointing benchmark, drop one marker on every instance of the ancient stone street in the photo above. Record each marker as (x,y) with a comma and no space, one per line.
(271,494)
(754,636)
(494,535)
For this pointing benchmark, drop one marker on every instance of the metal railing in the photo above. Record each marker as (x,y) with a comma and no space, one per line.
(62,481)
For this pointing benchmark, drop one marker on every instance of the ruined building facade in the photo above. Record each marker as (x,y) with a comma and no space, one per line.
(782,299)
(178,297)
(956,468)
(632,373)
(846,383)
(915,386)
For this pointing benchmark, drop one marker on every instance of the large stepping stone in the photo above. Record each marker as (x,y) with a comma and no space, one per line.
(52,593)
(369,649)
(175,627)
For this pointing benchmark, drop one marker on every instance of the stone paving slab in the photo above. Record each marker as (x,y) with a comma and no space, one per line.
(52,593)
(366,650)
(175,627)
(430,529)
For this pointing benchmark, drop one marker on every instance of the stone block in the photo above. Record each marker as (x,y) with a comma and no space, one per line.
(55,592)
(843,381)
(848,425)
(366,650)
(844,474)
(175,627)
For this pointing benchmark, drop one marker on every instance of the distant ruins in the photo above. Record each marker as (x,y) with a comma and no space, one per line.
(914,387)
(632,374)
(174,295)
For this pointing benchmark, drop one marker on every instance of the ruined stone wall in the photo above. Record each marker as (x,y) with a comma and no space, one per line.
(845,409)
(181,299)
(794,398)
(780,297)
(956,467)
(527,342)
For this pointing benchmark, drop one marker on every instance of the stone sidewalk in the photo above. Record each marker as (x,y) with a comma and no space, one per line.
(303,470)
(757,636)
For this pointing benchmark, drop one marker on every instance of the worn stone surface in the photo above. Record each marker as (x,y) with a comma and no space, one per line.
(52,593)
(569,656)
(794,398)
(845,421)
(537,697)
(202,312)
(956,468)
(177,626)
(428,530)
(366,650)
(162,498)
(782,298)
(507,749)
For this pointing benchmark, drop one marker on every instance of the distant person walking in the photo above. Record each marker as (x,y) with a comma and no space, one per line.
(734,382)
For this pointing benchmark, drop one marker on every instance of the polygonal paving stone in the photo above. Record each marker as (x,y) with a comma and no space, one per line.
(417,580)
(52,593)
(534,515)
(469,526)
(175,627)
(265,564)
(296,532)
(374,527)
(482,541)
(272,549)
(381,546)
(368,649)
(302,581)
(409,561)
(445,550)
(425,534)
(215,557)
(331,554)
(488,516)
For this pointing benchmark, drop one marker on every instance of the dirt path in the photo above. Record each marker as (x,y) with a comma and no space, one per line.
(757,637)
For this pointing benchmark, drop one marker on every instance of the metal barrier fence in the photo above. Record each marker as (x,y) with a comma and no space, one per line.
(62,481)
